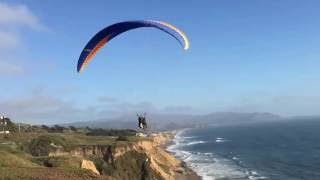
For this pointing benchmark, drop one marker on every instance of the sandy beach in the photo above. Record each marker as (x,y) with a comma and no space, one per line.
(183,172)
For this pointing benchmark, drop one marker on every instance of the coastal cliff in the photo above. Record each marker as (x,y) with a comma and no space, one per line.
(79,156)
(149,151)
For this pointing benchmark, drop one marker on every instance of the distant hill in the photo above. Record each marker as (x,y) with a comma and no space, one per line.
(178,121)
(228,118)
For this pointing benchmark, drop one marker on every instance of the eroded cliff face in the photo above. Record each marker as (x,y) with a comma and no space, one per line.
(161,161)
(155,158)
(85,164)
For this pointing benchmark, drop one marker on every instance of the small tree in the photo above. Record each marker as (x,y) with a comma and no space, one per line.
(45,127)
(73,128)
(57,129)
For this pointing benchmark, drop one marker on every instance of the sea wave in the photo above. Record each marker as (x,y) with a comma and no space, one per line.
(209,165)
(221,140)
(195,142)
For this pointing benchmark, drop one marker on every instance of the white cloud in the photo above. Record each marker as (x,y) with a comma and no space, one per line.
(14,18)
(123,107)
(41,108)
(11,69)
(9,40)
(106,99)
(19,14)
(179,109)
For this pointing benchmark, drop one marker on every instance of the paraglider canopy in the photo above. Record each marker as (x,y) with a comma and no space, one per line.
(108,33)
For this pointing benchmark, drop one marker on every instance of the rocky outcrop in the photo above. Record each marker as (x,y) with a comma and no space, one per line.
(86,164)
(161,162)
(88,150)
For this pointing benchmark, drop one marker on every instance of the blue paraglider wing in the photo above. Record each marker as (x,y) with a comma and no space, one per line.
(108,33)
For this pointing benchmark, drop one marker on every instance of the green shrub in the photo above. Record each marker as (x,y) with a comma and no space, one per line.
(111,132)
(58,161)
(122,138)
(99,163)
(131,165)
(43,145)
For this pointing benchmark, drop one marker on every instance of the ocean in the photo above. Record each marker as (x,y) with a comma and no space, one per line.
(275,150)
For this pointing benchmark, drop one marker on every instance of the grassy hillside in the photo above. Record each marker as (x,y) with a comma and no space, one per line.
(11,157)
(41,154)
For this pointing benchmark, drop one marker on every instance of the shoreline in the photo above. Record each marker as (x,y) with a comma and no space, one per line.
(183,172)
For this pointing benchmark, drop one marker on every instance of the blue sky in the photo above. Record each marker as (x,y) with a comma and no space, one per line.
(244,56)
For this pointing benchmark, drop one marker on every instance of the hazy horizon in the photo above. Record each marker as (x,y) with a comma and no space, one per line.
(244,56)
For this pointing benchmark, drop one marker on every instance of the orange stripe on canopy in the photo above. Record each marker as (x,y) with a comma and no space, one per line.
(93,52)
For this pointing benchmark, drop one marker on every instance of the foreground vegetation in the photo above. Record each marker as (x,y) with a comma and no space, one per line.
(42,152)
